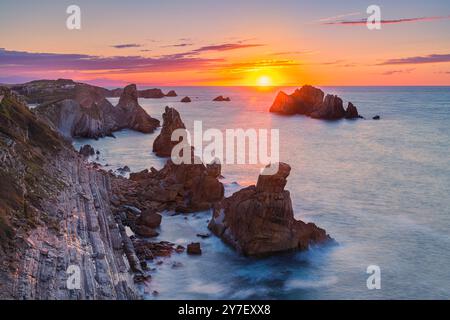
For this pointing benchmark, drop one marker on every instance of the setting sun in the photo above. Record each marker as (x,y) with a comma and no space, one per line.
(264,81)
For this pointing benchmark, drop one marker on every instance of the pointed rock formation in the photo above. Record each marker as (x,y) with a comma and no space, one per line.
(133,115)
(352,112)
(259,220)
(163,144)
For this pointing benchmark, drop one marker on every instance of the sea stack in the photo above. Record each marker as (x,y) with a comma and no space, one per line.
(259,220)
(186,99)
(163,143)
(133,115)
(310,101)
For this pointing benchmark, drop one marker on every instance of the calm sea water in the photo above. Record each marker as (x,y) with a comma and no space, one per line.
(380,188)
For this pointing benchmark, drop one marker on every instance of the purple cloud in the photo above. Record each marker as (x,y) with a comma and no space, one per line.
(126,45)
(387,21)
(12,61)
(177,45)
(432,58)
(227,47)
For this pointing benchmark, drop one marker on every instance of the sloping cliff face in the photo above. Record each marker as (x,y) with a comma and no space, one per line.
(54,213)
(90,115)
(259,220)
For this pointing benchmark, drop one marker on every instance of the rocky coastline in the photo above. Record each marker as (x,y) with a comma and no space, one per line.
(59,210)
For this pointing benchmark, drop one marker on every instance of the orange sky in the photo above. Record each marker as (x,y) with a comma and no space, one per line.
(279,43)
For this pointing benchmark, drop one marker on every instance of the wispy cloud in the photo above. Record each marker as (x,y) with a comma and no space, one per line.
(227,47)
(126,45)
(177,45)
(287,53)
(254,65)
(432,58)
(12,61)
(385,21)
(391,72)
(341,16)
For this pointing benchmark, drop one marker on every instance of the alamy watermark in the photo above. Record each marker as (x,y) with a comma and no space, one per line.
(374,280)
(235,146)
(73,21)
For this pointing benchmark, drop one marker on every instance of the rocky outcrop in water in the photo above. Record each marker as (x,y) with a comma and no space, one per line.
(310,101)
(171,93)
(221,98)
(90,115)
(259,220)
(163,144)
(132,115)
(179,187)
(56,217)
(186,100)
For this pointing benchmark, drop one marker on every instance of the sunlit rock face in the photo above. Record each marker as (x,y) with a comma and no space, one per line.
(310,101)
(259,220)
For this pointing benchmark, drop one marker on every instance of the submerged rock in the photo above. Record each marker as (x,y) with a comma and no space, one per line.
(87,151)
(221,98)
(171,93)
(151,93)
(259,220)
(194,248)
(376,117)
(310,101)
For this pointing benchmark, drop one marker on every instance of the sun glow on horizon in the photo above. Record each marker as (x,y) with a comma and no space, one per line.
(264,81)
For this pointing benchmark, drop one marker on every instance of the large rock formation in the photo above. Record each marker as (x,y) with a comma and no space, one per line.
(90,115)
(132,115)
(163,144)
(151,93)
(179,187)
(259,220)
(44,91)
(55,216)
(310,101)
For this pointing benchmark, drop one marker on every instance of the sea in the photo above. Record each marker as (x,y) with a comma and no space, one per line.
(381,189)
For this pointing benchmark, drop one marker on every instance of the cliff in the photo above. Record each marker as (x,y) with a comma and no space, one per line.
(89,114)
(55,212)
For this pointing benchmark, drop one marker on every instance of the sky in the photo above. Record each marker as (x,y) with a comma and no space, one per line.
(255,43)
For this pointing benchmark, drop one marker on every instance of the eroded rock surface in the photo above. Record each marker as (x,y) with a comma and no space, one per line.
(163,144)
(55,213)
(259,220)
